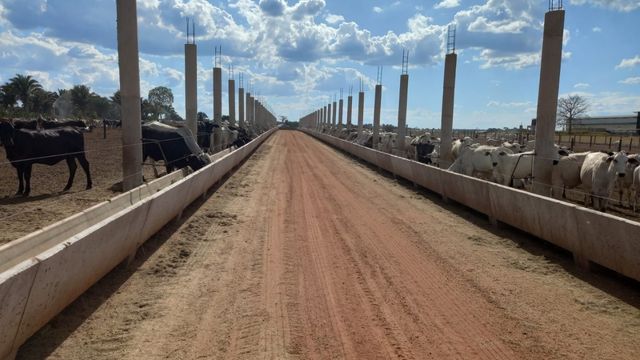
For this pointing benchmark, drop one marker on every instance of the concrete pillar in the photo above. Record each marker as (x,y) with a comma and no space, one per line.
(241,107)
(217,95)
(329,116)
(130,93)
(446,125)
(402,111)
(376,115)
(360,112)
(340,104)
(349,111)
(191,87)
(232,102)
(548,100)
(324,118)
(333,119)
(248,114)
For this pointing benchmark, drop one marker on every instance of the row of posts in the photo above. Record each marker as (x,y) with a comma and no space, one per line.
(546,109)
(253,114)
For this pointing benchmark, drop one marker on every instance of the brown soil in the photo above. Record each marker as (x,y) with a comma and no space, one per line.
(47,204)
(305,253)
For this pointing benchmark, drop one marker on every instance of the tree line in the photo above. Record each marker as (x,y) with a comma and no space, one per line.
(24,96)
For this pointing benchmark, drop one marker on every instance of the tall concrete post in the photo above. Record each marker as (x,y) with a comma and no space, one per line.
(324,118)
(360,112)
(129,93)
(329,117)
(349,111)
(191,87)
(335,111)
(376,115)
(340,111)
(548,100)
(446,121)
(217,95)
(241,107)
(248,114)
(402,111)
(232,101)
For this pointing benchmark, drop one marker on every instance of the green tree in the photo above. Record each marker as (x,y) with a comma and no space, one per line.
(81,98)
(116,97)
(202,116)
(161,100)
(43,100)
(23,87)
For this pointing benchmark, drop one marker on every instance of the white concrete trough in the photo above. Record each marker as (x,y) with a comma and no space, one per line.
(604,239)
(43,272)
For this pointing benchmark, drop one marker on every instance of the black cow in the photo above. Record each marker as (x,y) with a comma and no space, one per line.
(205,129)
(27,147)
(164,142)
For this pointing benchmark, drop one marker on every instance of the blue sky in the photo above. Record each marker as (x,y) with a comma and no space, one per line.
(299,53)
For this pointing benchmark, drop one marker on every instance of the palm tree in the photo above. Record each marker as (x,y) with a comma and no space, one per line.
(23,87)
(81,98)
(42,101)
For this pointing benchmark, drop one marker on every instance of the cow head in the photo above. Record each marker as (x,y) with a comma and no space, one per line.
(618,163)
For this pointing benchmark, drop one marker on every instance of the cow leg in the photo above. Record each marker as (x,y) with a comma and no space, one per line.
(27,180)
(71,163)
(20,171)
(85,166)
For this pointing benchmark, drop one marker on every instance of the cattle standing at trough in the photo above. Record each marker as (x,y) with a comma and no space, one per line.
(476,161)
(566,174)
(27,147)
(635,187)
(175,146)
(598,175)
(624,183)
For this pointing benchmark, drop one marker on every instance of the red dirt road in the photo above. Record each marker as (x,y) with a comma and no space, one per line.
(305,253)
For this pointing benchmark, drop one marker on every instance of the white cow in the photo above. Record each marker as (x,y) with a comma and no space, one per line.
(507,166)
(566,173)
(476,160)
(598,176)
(623,184)
(458,144)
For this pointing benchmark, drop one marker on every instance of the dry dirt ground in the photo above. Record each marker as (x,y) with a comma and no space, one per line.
(305,253)
(46,204)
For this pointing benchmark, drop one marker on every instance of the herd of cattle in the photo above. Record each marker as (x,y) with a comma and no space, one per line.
(599,174)
(42,141)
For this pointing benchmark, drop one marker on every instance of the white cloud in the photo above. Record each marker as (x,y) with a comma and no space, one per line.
(581,85)
(377,9)
(631,81)
(629,63)
(620,5)
(596,29)
(447,4)
(334,19)
(522,104)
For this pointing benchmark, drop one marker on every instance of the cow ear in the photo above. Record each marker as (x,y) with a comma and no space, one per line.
(610,158)
(563,152)
(633,161)
(502,153)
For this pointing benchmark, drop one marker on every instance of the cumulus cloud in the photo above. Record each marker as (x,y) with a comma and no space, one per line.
(447,4)
(581,85)
(620,5)
(596,29)
(273,7)
(631,81)
(377,9)
(629,63)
